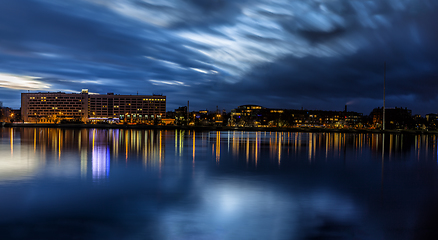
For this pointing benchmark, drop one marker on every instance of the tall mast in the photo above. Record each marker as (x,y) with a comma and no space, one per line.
(384,84)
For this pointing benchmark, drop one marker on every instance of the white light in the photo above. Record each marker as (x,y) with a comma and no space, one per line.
(22,82)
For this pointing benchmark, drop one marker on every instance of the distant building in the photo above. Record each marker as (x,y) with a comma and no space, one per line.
(395,118)
(254,115)
(431,117)
(248,115)
(55,107)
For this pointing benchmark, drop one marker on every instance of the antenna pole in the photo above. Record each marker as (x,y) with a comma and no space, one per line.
(384,85)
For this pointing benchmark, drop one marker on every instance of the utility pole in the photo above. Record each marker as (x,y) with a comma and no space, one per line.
(384,85)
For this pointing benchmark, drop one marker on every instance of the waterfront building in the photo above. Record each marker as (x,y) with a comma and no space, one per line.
(127,108)
(54,107)
(257,116)
(395,118)
(248,116)
(85,107)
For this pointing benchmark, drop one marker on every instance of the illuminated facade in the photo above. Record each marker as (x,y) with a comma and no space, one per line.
(257,116)
(130,108)
(55,107)
(247,115)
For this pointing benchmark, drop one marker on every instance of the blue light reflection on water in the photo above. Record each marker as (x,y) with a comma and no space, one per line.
(215,185)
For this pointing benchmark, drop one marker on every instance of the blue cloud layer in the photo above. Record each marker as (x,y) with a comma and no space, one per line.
(278,53)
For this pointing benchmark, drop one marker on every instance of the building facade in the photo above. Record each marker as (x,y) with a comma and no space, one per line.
(85,107)
(54,107)
(127,108)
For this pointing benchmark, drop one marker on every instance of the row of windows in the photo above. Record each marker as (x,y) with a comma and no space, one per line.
(127,99)
(123,112)
(56,114)
(139,108)
(55,98)
(57,109)
(126,103)
(54,104)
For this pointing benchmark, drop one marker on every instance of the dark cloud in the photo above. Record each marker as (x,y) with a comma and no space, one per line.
(411,79)
(213,5)
(277,54)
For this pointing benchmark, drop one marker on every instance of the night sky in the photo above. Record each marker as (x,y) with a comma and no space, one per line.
(315,54)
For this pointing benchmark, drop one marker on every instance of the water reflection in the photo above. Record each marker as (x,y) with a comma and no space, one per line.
(185,184)
(101,157)
(252,147)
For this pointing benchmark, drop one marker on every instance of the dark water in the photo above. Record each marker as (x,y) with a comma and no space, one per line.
(145,184)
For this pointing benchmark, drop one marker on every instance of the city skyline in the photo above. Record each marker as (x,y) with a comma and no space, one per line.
(277,54)
(217,109)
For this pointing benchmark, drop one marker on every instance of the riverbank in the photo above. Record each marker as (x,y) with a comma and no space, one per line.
(214,128)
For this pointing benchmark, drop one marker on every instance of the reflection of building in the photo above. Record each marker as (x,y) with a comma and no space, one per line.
(54,107)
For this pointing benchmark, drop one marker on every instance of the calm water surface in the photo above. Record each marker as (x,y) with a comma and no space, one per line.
(146,184)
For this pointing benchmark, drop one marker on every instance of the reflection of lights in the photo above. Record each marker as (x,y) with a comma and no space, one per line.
(256,149)
(247,148)
(218,146)
(310,146)
(194,145)
(84,163)
(34,140)
(160,143)
(126,145)
(59,145)
(100,159)
(101,162)
(12,141)
(181,139)
(279,148)
(176,141)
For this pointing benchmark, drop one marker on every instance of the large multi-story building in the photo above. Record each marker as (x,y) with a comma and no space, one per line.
(254,115)
(54,107)
(131,108)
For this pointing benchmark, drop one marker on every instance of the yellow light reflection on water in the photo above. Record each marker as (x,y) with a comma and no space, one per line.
(218,146)
(12,141)
(193,146)
(247,147)
(256,149)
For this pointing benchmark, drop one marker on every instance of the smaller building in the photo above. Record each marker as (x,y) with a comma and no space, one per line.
(395,118)
(248,116)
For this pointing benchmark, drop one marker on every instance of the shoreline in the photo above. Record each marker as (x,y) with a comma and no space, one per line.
(213,128)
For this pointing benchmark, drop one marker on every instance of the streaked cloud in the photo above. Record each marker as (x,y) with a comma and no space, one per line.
(17,82)
(300,51)
(167,82)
